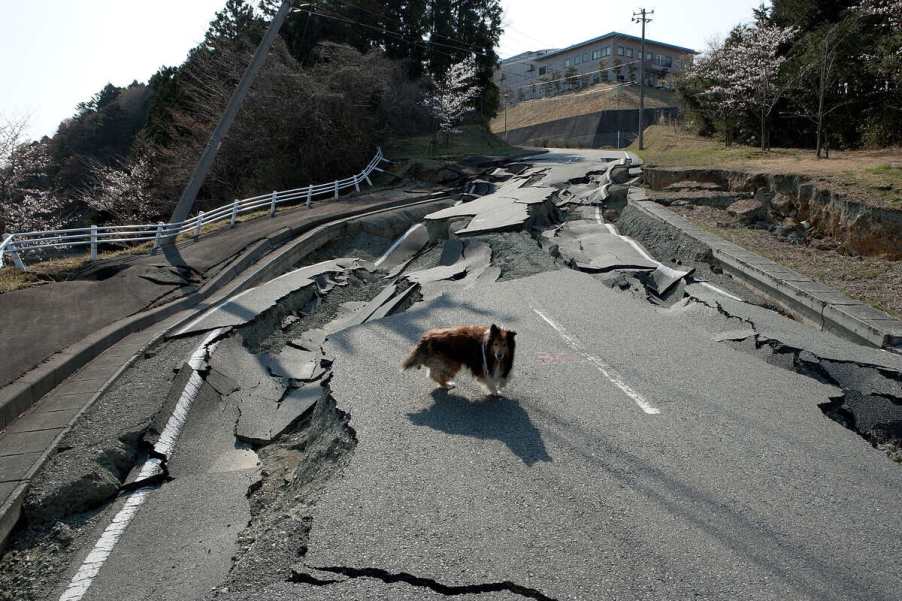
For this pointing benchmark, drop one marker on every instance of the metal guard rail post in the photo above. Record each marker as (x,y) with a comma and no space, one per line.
(14,244)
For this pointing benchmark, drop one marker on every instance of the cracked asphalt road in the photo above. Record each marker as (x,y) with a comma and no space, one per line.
(640,452)
(739,488)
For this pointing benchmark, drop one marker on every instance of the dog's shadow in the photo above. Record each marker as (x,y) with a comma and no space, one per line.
(497,418)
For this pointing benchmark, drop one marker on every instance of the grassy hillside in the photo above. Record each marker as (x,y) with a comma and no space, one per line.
(872,176)
(592,100)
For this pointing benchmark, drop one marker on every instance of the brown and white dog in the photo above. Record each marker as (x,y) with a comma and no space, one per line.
(488,352)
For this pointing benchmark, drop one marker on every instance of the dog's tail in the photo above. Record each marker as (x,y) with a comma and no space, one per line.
(416,357)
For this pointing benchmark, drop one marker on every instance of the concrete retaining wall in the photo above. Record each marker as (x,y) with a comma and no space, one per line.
(617,128)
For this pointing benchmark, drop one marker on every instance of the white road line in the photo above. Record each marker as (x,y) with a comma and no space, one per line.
(209,312)
(396,244)
(648,257)
(720,291)
(90,567)
(606,370)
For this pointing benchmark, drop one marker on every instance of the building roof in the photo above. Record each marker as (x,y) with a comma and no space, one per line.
(529,54)
(617,34)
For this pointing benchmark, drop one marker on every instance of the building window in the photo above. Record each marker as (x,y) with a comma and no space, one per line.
(586,57)
(542,70)
(619,50)
(668,61)
(530,68)
(567,63)
(629,53)
(577,59)
(649,56)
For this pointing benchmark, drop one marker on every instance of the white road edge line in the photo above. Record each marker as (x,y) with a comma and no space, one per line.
(394,246)
(606,370)
(90,567)
(720,291)
(648,257)
(212,310)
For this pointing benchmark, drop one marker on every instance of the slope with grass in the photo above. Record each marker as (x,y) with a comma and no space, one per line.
(602,97)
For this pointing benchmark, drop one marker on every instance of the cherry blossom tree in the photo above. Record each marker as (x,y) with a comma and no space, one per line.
(743,75)
(26,202)
(123,194)
(452,96)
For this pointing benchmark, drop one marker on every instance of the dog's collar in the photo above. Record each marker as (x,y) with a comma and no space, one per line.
(485,346)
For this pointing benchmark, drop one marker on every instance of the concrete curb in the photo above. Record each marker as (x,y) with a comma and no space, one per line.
(283,258)
(821,306)
(18,396)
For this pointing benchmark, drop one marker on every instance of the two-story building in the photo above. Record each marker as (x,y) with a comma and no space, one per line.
(614,57)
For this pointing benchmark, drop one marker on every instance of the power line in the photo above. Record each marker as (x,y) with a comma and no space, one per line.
(397,21)
(349,21)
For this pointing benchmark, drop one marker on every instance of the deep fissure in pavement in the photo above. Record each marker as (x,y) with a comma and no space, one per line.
(418,581)
(875,414)
(295,469)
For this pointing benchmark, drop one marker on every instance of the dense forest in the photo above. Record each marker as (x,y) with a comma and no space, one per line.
(807,73)
(341,77)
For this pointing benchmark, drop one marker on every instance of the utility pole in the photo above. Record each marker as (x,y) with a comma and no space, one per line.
(189,194)
(506,99)
(642,16)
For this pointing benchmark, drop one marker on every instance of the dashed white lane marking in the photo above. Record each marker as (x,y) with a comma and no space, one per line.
(90,567)
(606,370)
(720,291)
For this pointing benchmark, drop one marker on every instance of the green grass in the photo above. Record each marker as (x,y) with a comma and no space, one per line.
(473,140)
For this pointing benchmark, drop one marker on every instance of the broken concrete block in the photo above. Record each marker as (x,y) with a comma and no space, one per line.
(294,364)
(748,210)
(262,420)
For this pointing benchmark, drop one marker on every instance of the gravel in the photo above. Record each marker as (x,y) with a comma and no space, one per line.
(69,494)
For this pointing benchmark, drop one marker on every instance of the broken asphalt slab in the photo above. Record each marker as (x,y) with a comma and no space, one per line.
(248,305)
(590,246)
(509,207)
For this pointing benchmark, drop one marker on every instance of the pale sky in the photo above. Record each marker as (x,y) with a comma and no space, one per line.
(57,53)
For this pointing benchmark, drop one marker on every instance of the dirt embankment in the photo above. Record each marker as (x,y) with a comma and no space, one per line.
(859,228)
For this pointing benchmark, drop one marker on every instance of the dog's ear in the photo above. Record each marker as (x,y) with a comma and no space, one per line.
(493,331)
(511,334)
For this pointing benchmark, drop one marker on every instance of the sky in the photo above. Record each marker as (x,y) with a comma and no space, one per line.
(57,53)
(538,24)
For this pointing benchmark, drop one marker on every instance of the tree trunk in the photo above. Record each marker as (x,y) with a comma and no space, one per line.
(822,88)
(763,133)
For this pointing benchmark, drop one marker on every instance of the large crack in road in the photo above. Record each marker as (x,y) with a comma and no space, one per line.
(339,480)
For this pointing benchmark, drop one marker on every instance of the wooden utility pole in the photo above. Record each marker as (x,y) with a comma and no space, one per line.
(642,16)
(189,194)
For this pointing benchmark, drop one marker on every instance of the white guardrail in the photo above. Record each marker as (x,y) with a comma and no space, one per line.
(15,244)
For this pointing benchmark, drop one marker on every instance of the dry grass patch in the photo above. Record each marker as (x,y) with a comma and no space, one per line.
(872,280)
